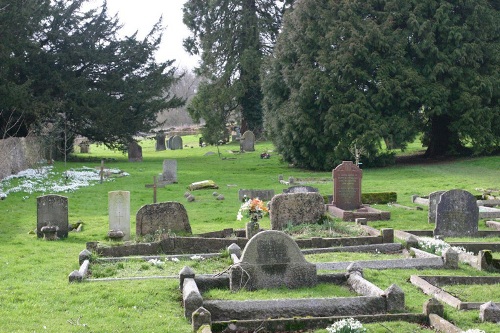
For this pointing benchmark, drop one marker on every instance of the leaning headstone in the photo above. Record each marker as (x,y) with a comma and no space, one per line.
(169,174)
(489,312)
(169,142)
(176,142)
(160,141)
(264,195)
(52,211)
(272,259)
(134,152)
(247,141)
(433,200)
(347,186)
(300,189)
(119,212)
(296,208)
(457,214)
(162,218)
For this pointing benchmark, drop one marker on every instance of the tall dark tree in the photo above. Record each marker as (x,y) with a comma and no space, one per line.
(350,73)
(232,37)
(104,87)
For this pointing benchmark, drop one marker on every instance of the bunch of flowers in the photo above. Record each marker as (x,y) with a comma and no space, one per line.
(437,246)
(349,325)
(252,207)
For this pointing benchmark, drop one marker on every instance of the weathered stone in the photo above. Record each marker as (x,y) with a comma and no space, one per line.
(433,201)
(395,297)
(220,197)
(387,235)
(175,142)
(49,232)
(433,306)
(185,273)
(361,221)
(119,212)
(162,218)
(199,318)
(489,312)
(450,257)
(264,195)
(300,189)
(347,186)
(191,297)
(203,185)
(134,152)
(160,141)
(234,249)
(84,255)
(247,141)
(251,228)
(52,210)
(116,234)
(169,173)
(190,198)
(296,208)
(271,259)
(457,214)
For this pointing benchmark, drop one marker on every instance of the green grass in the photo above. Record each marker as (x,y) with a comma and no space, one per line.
(35,295)
(351,256)
(475,292)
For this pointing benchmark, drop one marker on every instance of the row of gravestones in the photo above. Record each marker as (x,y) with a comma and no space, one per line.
(173,143)
(52,214)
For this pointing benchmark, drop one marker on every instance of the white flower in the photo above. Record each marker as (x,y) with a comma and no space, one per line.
(438,246)
(156,262)
(474,330)
(196,257)
(175,259)
(346,325)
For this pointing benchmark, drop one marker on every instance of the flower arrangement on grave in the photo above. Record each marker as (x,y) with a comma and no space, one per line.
(254,208)
(349,325)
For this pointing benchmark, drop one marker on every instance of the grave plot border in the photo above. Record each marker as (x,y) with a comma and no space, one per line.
(430,285)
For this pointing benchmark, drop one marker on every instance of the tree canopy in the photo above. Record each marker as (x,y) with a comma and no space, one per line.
(70,63)
(361,73)
(232,36)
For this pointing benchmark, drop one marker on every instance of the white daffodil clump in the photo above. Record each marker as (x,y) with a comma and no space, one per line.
(197,257)
(437,246)
(474,330)
(156,262)
(349,325)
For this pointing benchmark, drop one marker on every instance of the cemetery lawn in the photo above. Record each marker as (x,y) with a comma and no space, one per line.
(34,291)
(474,293)
(352,256)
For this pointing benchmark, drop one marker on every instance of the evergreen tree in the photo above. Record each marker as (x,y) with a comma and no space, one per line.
(232,37)
(350,73)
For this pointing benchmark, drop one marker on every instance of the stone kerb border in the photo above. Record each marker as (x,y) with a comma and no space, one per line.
(372,301)
(430,285)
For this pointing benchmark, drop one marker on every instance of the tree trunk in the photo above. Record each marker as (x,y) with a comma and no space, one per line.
(442,140)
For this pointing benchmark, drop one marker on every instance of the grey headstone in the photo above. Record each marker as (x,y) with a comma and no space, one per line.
(234,249)
(433,200)
(300,189)
(296,208)
(247,141)
(272,259)
(450,257)
(347,186)
(160,142)
(169,142)
(119,212)
(162,218)
(264,195)
(457,214)
(489,312)
(395,297)
(176,142)
(200,317)
(433,306)
(169,173)
(52,210)
(134,152)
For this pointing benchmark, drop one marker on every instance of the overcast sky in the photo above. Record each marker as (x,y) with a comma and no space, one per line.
(140,15)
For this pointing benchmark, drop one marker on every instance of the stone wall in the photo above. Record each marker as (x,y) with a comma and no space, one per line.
(19,154)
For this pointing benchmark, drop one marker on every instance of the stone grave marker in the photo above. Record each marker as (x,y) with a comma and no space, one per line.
(160,141)
(119,212)
(347,186)
(134,152)
(264,195)
(457,214)
(433,200)
(169,173)
(272,259)
(176,142)
(52,210)
(296,208)
(162,218)
(247,141)
(300,189)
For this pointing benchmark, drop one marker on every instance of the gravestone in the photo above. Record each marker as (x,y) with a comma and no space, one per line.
(162,218)
(272,259)
(84,147)
(264,195)
(296,208)
(457,214)
(169,174)
(169,142)
(134,152)
(52,210)
(300,189)
(160,141)
(433,200)
(347,186)
(247,141)
(119,212)
(176,142)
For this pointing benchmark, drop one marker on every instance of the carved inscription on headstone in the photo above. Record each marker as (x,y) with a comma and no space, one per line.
(457,214)
(347,186)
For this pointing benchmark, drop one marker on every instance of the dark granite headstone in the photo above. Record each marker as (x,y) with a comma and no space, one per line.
(457,214)
(347,186)
(134,152)
(160,142)
(52,210)
(433,200)
(272,259)
(176,142)
(162,218)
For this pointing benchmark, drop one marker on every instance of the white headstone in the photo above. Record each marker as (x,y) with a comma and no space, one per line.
(119,212)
